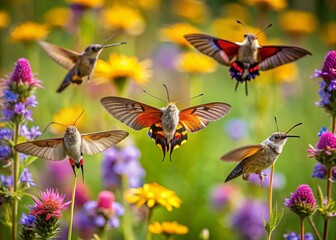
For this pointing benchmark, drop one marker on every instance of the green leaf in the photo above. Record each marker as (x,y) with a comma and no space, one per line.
(320,194)
(275,219)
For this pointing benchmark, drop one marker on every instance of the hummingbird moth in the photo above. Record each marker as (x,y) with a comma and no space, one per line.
(80,65)
(255,158)
(245,59)
(73,144)
(168,125)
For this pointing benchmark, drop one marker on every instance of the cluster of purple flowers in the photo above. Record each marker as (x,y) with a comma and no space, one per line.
(294,236)
(119,162)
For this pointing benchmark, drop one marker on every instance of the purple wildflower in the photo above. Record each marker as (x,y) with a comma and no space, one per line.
(236,128)
(27,220)
(5,152)
(31,134)
(247,221)
(31,101)
(8,114)
(302,202)
(328,71)
(324,95)
(323,129)
(327,140)
(49,204)
(294,236)
(27,178)
(332,85)
(320,171)
(10,96)
(6,134)
(23,73)
(124,162)
(8,181)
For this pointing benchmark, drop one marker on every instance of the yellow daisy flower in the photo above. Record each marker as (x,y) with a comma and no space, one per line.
(194,10)
(122,67)
(192,62)
(298,22)
(67,116)
(4,19)
(28,32)
(174,33)
(167,228)
(153,195)
(126,18)
(57,17)
(87,3)
(276,5)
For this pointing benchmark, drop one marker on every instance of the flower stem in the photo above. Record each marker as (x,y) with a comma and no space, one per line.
(127,218)
(271,198)
(326,221)
(16,183)
(302,229)
(149,215)
(310,219)
(333,124)
(72,207)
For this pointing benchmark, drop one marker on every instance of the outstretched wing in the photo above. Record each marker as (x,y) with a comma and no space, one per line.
(241,153)
(134,114)
(198,117)
(93,143)
(51,149)
(64,57)
(273,56)
(221,50)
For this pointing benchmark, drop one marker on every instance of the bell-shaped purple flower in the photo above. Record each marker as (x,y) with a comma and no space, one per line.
(302,202)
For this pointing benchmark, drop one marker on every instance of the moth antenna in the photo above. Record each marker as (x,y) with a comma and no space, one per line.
(298,124)
(242,25)
(276,123)
(45,129)
(199,95)
(110,37)
(154,96)
(78,118)
(166,92)
(264,29)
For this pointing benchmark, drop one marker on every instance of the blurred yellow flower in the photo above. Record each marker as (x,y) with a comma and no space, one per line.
(298,22)
(4,19)
(167,228)
(285,73)
(328,33)
(229,29)
(235,11)
(87,3)
(57,17)
(67,116)
(28,32)
(122,67)
(192,62)
(194,10)
(276,5)
(143,4)
(125,18)
(152,195)
(174,33)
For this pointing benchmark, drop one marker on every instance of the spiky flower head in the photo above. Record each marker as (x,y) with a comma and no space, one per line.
(328,71)
(302,202)
(23,73)
(49,204)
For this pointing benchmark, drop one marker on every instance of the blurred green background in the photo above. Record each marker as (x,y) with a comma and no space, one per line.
(288,93)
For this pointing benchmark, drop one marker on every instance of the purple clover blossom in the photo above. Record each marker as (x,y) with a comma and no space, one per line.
(327,140)
(302,202)
(23,73)
(27,220)
(328,71)
(10,96)
(123,162)
(247,221)
(27,178)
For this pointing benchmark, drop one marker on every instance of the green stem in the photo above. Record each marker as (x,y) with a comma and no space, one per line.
(72,207)
(326,221)
(149,215)
(127,218)
(333,124)
(302,229)
(310,219)
(271,199)
(16,183)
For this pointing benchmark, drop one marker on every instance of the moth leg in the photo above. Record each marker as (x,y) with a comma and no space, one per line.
(246,91)
(81,164)
(72,163)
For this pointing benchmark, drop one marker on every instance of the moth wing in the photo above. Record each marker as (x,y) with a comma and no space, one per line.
(241,153)
(274,56)
(93,143)
(222,51)
(134,114)
(64,57)
(198,117)
(51,149)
